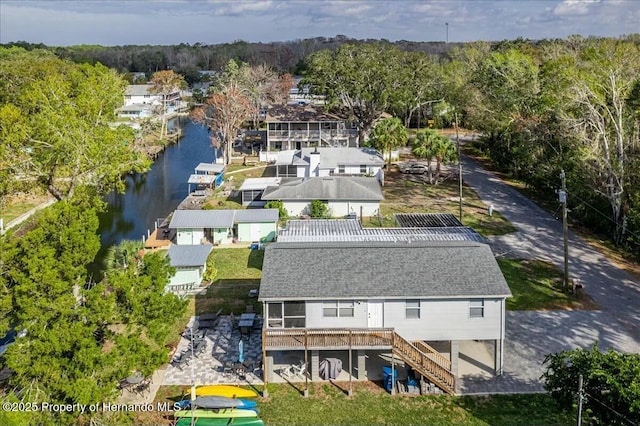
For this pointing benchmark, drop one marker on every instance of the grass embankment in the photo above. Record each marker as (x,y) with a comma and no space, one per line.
(413,194)
(371,405)
(238,271)
(15,206)
(537,285)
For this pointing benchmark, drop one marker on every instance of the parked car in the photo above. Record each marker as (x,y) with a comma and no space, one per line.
(415,168)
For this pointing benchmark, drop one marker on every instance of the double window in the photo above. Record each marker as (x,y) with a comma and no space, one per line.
(476,308)
(286,314)
(412,309)
(337,309)
(341,169)
(363,169)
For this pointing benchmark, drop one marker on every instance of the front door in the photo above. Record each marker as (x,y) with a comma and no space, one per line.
(375,312)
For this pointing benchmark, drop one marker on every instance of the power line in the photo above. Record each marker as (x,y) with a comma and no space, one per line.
(631,422)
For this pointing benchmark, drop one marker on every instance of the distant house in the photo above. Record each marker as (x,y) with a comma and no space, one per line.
(300,126)
(190,262)
(224,226)
(343,195)
(139,102)
(360,300)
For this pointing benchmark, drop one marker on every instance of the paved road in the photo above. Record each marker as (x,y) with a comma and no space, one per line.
(531,335)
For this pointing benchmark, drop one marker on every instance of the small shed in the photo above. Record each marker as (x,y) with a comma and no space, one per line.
(190,262)
(256,224)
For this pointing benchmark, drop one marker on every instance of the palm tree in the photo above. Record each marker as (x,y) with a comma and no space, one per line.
(422,147)
(445,152)
(428,144)
(388,134)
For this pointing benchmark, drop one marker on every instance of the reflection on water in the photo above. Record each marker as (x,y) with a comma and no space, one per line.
(154,194)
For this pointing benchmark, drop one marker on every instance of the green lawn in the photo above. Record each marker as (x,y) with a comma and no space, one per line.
(371,405)
(410,194)
(537,284)
(237,263)
(239,270)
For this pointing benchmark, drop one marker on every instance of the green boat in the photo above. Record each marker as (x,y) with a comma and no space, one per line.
(238,421)
(225,413)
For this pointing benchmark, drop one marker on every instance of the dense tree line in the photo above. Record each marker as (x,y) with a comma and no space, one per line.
(186,59)
(571,105)
(76,339)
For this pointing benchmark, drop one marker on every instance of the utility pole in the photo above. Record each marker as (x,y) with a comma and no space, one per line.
(446,25)
(562,196)
(580,398)
(459,167)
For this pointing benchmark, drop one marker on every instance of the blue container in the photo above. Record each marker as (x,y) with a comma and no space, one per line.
(387,379)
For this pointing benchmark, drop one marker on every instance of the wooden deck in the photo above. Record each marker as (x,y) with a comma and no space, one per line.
(328,338)
(160,238)
(421,357)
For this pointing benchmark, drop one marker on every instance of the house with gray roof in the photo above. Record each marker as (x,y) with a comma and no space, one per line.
(190,262)
(299,126)
(224,226)
(343,195)
(310,162)
(355,299)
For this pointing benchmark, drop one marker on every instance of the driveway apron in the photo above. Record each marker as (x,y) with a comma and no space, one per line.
(531,335)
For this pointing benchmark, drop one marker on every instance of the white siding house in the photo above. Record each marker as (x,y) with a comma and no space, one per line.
(313,162)
(343,195)
(414,292)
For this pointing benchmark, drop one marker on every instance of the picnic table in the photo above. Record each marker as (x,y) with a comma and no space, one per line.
(246,323)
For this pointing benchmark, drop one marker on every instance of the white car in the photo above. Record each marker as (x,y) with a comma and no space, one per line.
(414,168)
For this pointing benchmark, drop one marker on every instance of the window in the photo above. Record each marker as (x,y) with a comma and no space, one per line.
(341,169)
(412,309)
(476,308)
(286,314)
(334,309)
(363,168)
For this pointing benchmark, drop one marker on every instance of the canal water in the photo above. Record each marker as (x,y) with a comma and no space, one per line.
(154,194)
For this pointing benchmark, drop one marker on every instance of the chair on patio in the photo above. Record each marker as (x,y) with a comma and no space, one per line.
(294,370)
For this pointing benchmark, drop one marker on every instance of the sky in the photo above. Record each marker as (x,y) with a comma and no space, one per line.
(160,22)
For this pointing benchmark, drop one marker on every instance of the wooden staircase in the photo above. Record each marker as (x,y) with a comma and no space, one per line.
(426,361)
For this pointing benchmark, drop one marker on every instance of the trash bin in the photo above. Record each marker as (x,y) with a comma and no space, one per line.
(387,379)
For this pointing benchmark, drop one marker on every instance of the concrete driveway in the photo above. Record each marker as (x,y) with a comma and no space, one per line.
(531,335)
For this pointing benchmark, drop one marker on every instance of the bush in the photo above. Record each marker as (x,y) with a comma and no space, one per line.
(318,209)
(277,204)
(211,272)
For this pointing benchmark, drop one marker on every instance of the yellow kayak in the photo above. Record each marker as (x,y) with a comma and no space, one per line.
(225,390)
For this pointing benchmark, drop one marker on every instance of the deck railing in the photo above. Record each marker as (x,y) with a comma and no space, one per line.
(420,356)
(323,338)
(424,364)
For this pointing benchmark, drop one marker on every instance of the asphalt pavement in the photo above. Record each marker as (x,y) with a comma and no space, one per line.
(531,335)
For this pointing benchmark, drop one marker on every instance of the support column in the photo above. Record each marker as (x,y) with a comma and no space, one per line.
(268,368)
(362,365)
(315,365)
(453,356)
(498,361)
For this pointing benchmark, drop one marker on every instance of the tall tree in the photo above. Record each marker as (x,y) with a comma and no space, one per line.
(166,83)
(360,78)
(56,124)
(429,144)
(226,108)
(598,117)
(388,134)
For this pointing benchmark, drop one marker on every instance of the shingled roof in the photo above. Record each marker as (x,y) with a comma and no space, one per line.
(328,188)
(454,269)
